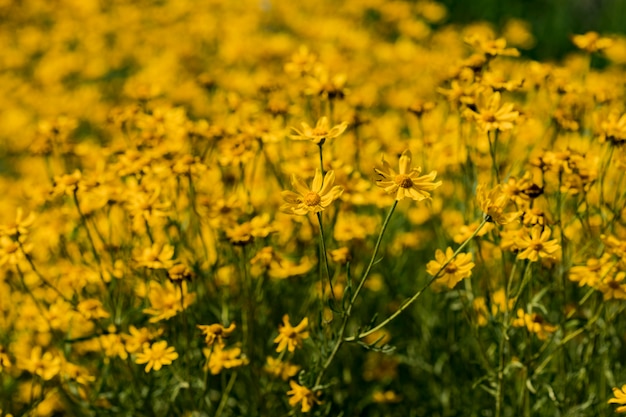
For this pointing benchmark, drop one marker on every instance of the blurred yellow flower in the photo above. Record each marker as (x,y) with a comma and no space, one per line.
(216,333)
(219,358)
(619,395)
(493,202)
(156,355)
(456,270)
(301,394)
(407,182)
(320,133)
(290,337)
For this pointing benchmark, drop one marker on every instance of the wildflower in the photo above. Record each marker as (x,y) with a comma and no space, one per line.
(613,287)
(613,129)
(136,338)
(158,256)
(492,203)
(591,42)
(290,337)
(491,115)
(278,368)
(320,133)
(313,200)
(220,358)
(92,309)
(66,184)
(620,398)
(301,394)
(216,333)
(407,182)
(456,270)
(179,272)
(386,397)
(534,323)
(490,47)
(20,226)
(535,245)
(156,355)
(47,366)
(165,301)
(5,361)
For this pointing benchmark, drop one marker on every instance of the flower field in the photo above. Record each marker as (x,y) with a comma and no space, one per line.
(275,208)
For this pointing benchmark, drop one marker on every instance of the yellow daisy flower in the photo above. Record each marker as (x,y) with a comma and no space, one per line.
(314,199)
(407,182)
(156,356)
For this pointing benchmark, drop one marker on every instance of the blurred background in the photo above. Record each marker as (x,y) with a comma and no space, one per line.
(551,21)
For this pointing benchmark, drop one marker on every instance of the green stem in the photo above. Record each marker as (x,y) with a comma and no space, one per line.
(415,296)
(320,145)
(324,255)
(225,394)
(348,312)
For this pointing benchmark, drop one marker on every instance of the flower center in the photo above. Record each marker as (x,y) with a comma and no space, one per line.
(403,181)
(320,132)
(451,268)
(537,247)
(489,117)
(312,199)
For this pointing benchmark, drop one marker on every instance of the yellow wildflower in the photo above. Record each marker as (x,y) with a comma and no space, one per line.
(219,358)
(46,365)
(619,398)
(301,394)
(456,270)
(534,323)
(535,245)
(290,337)
(320,133)
(313,200)
(216,333)
(278,368)
(491,115)
(157,256)
(407,182)
(493,202)
(156,355)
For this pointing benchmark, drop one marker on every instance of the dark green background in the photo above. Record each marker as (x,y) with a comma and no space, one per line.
(552,21)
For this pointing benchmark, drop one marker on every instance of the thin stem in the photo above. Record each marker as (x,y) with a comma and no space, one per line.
(320,145)
(225,394)
(324,255)
(84,221)
(492,151)
(415,296)
(348,312)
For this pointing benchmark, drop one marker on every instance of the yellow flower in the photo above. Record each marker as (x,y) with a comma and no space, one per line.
(534,323)
(20,226)
(620,398)
(167,300)
(491,115)
(407,182)
(216,333)
(290,337)
(47,366)
(535,245)
(456,270)
(492,203)
(157,256)
(301,394)
(156,356)
(278,368)
(313,200)
(220,358)
(320,133)
(591,42)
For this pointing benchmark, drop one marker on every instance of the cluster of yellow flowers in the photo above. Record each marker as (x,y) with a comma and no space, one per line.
(159,174)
